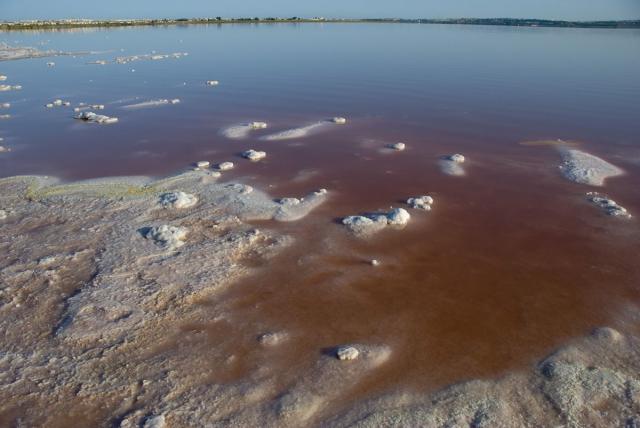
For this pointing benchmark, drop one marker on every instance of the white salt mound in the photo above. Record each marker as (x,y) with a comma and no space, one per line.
(212,83)
(254,155)
(421,202)
(5,116)
(365,225)
(178,200)
(3,214)
(89,116)
(4,88)
(225,166)
(5,105)
(339,120)
(609,206)
(585,168)
(3,77)
(347,353)
(170,237)
(202,164)
(51,64)
(397,146)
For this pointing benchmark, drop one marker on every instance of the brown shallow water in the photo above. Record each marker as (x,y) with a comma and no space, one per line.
(511,262)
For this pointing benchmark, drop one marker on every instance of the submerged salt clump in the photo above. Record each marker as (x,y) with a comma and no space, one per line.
(254,155)
(97,62)
(3,77)
(51,64)
(452,164)
(305,131)
(609,206)
(5,105)
(170,237)
(421,202)
(89,116)
(585,168)
(237,132)
(178,200)
(212,83)
(5,116)
(364,225)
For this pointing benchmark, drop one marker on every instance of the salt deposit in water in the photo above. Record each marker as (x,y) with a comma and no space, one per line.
(237,132)
(397,146)
(212,83)
(152,103)
(452,164)
(303,131)
(421,202)
(368,224)
(607,204)
(585,168)
(89,116)
(225,166)
(254,155)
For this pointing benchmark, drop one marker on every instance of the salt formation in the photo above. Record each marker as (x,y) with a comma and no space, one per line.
(152,103)
(152,57)
(202,164)
(5,116)
(170,237)
(347,353)
(303,131)
(609,206)
(51,64)
(421,202)
(4,88)
(569,388)
(254,155)
(97,62)
(225,166)
(96,118)
(3,214)
(452,164)
(397,146)
(58,103)
(585,168)
(5,105)
(83,107)
(339,120)
(365,225)
(272,338)
(3,77)
(178,200)
(212,83)
(374,262)
(291,209)
(237,132)
(4,149)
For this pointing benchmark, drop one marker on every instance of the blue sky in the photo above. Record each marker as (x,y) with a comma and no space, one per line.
(552,9)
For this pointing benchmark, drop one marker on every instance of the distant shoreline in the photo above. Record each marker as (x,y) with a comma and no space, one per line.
(510,22)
